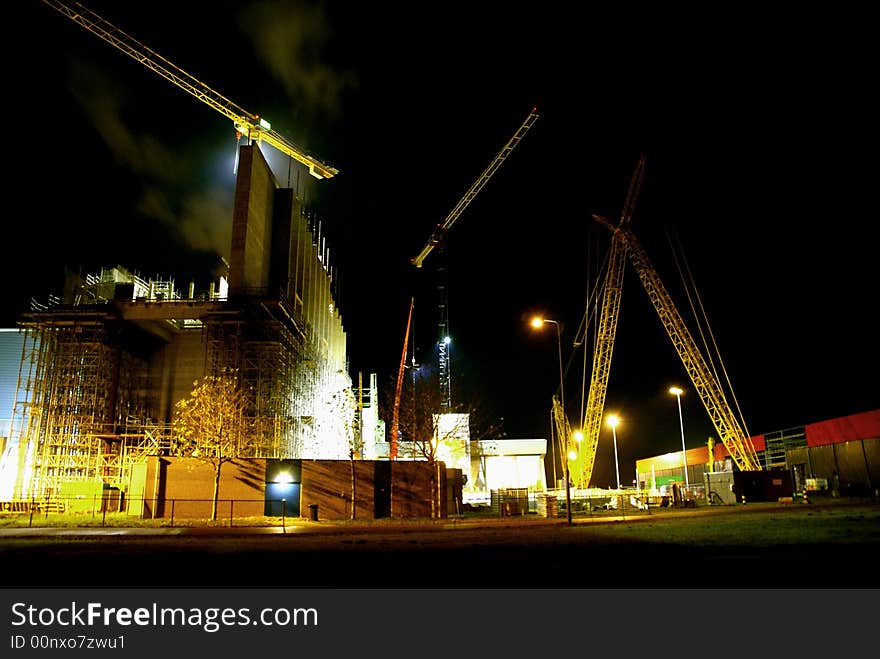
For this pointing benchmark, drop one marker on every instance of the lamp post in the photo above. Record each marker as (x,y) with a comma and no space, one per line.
(677,392)
(537,322)
(613,420)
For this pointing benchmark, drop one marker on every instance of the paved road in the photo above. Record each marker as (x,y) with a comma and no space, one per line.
(524,552)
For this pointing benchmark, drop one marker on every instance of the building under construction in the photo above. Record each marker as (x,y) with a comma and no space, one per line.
(103,364)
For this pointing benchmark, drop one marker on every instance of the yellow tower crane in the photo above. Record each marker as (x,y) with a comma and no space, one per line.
(624,243)
(249,125)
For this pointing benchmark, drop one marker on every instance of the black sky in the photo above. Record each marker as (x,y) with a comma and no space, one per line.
(757,127)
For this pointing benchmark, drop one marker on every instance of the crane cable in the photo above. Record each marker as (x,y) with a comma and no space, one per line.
(690,288)
(589,317)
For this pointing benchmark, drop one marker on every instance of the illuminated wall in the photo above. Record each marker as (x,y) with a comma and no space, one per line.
(278,250)
(251,223)
(505,463)
(453,438)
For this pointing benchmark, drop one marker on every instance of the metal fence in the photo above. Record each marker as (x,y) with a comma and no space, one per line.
(584,503)
(167,512)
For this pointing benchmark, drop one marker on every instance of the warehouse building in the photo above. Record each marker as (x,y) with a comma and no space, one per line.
(834,457)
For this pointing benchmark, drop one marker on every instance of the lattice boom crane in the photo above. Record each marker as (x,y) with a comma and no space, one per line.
(247,124)
(605,334)
(624,243)
(736,441)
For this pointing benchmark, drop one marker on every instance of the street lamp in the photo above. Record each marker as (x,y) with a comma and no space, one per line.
(677,392)
(613,420)
(537,323)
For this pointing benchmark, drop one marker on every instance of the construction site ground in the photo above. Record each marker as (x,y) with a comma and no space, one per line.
(827,544)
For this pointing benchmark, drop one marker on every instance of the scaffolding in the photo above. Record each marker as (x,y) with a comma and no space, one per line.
(101,370)
(273,364)
(76,387)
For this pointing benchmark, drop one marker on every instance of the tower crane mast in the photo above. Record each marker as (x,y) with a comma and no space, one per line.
(247,124)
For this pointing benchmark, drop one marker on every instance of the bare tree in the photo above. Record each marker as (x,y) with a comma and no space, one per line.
(355,444)
(210,424)
(429,435)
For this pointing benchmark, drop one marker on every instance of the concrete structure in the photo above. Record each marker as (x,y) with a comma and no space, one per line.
(502,464)
(102,365)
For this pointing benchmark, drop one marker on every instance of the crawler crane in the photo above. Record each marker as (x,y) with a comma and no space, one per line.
(246,124)
(582,470)
(624,243)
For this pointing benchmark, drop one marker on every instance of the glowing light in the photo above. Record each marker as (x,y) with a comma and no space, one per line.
(447,340)
(537,322)
(578,436)
(284,478)
(265,125)
(572,455)
(613,421)
(677,392)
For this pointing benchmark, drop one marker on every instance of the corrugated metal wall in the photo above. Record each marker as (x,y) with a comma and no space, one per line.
(11,341)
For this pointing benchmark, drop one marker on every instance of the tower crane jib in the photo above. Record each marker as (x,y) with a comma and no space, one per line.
(475,188)
(247,124)
(443,359)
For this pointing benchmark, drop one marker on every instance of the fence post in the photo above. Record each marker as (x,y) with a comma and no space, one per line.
(172,511)
(31,517)
(283,515)
(103,510)
(231,506)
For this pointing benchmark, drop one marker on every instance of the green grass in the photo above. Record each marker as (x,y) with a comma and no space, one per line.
(754,527)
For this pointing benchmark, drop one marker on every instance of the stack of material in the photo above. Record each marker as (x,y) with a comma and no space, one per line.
(547,505)
(510,501)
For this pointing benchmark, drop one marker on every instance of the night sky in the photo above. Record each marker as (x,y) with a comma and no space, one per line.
(758,130)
